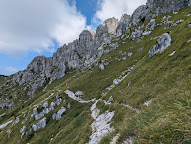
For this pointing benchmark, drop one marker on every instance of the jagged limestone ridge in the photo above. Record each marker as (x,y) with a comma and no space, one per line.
(82,51)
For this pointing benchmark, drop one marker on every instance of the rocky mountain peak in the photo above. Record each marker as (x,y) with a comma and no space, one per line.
(93,33)
(125,18)
(84,50)
(85,38)
(111,24)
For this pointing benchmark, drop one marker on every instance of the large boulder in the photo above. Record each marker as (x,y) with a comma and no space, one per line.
(151,25)
(40,124)
(58,115)
(162,43)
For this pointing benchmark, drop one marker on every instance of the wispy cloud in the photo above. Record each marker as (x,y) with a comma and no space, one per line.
(33,25)
(10,70)
(115,8)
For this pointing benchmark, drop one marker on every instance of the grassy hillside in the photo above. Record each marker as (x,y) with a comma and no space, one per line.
(163,80)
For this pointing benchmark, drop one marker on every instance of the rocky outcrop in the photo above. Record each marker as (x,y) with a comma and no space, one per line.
(166,6)
(101,35)
(162,43)
(5,124)
(79,93)
(136,33)
(85,41)
(101,66)
(124,24)
(150,25)
(16,121)
(22,130)
(40,124)
(58,115)
(45,109)
(140,14)
(6,104)
(68,57)
(111,25)
(154,8)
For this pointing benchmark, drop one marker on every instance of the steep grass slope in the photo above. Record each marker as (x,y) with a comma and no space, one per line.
(163,81)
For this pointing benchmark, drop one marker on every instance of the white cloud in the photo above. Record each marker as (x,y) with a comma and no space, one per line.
(115,8)
(32,25)
(10,70)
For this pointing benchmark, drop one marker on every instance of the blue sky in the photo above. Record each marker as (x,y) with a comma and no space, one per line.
(32,28)
(87,8)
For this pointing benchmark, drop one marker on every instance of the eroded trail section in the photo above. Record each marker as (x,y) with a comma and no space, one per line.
(74,97)
(101,126)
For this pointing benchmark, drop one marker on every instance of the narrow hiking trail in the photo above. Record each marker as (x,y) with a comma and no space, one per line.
(72,96)
(101,126)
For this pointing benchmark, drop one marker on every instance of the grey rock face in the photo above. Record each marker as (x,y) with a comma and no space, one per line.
(124,25)
(42,69)
(163,42)
(68,57)
(85,41)
(101,34)
(167,6)
(111,24)
(84,51)
(46,109)
(58,101)
(154,8)
(139,15)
